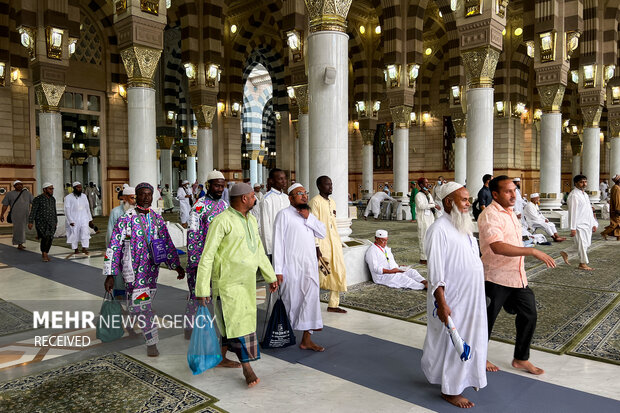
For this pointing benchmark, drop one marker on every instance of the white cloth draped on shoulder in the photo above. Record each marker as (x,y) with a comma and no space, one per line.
(581,219)
(454,263)
(378,259)
(294,256)
(184,203)
(77,212)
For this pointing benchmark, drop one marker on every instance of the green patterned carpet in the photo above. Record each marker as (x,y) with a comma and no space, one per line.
(602,342)
(13,319)
(112,383)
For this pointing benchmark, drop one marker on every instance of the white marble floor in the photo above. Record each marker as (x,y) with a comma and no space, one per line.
(294,387)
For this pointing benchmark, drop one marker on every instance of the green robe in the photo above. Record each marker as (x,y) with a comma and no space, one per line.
(414,192)
(232,253)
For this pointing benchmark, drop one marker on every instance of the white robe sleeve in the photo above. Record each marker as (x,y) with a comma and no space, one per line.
(69,209)
(373,259)
(267,225)
(180,191)
(421,202)
(435,244)
(87,208)
(316,226)
(572,211)
(279,242)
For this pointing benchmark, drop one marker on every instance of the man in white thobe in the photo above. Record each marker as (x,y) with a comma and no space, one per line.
(456,289)
(374,203)
(424,207)
(256,209)
(78,219)
(385,270)
(603,187)
(296,264)
(274,201)
(581,221)
(520,204)
(535,219)
(184,195)
(435,192)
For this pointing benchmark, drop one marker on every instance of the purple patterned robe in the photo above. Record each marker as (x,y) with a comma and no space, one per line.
(128,256)
(200,216)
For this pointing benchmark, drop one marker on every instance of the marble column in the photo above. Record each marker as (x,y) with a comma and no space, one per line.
(576,166)
(204,117)
(265,175)
(303,129)
(551,146)
(67,176)
(78,173)
(253,171)
(460,151)
(480,66)
(191,164)
(50,133)
(140,64)
(613,123)
(259,174)
(38,167)
(328,72)
(166,168)
(368,136)
(400,140)
(592,150)
(159,166)
(93,170)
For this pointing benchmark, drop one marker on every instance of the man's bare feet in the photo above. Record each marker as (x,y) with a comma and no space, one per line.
(308,344)
(491,367)
(85,251)
(229,364)
(527,366)
(458,401)
(585,267)
(336,310)
(559,239)
(564,257)
(21,247)
(46,258)
(250,377)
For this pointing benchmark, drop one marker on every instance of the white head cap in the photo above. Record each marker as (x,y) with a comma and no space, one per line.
(535,195)
(447,188)
(293,187)
(17,182)
(47,185)
(128,190)
(215,174)
(185,182)
(516,180)
(381,233)
(76,183)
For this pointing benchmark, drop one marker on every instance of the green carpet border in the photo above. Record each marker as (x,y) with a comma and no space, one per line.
(20,331)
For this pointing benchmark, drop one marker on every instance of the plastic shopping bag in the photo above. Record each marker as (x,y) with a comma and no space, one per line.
(278,333)
(204,350)
(110,326)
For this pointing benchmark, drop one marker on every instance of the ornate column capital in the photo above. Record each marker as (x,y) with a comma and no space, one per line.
(591,116)
(204,115)
(165,142)
(401,115)
(480,64)
(301,95)
(158,153)
(368,136)
(551,97)
(192,150)
(328,15)
(460,126)
(49,96)
(613,120)
(140,64)
(66,154)
(254,154)
(92,151)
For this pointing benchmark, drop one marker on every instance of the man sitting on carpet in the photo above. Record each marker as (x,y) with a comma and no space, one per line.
(386,271)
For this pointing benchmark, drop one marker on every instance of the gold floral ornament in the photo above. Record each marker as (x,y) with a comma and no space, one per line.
(140,64)
(49,95)
(204,115)
(551,97)
(328,15)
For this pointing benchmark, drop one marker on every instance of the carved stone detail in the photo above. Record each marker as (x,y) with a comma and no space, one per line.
(401,115)
(140,64)
(591,116)
(92,151)
(66,154)
(254,155)
(192,150)
(328,15)
(49,96)
(613,120)
(480,66)
(165,142)
(551,97)
(301,95)
(460,126)
(204,115)
(368,136)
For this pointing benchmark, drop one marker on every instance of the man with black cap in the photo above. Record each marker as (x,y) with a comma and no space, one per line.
(19,200)
(227,274)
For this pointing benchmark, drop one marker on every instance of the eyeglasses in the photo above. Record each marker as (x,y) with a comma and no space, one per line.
(301,193)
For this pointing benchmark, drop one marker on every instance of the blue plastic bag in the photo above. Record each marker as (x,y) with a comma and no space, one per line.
(204,350)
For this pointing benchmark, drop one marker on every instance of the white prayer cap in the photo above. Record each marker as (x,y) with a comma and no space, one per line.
(240,188)
(128,190)
(185,182)
(615,178)
(76,183)
(516,179)
(215,174)
(447,188)
(381,233)
(47,185)
(293,187)
(257,185)
(17,182)
(535,195)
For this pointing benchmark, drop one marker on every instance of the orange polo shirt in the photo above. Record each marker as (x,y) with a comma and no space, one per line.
(499,224)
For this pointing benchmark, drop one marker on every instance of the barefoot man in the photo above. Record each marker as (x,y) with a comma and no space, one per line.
(504,269)
(456,280)
(233,252)
(296,264)
(581,221)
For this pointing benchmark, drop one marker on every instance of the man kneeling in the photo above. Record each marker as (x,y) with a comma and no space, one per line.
(385,270)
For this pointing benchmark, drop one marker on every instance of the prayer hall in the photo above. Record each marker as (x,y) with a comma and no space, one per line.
(309,206)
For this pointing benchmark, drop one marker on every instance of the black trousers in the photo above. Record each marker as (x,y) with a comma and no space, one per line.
(519,301)
(46,241)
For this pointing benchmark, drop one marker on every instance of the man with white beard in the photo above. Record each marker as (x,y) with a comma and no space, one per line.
(456,289)
(581,221)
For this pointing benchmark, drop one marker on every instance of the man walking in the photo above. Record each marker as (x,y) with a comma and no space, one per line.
(274,201)
(92,193)
(330,247)
(296,265)
(227,275)
(484,197)
(581,221)
(613,228)
(184,195)
(506,284)
(128,201)
(425,207)
(19,201)
(43,214)
(78,219)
